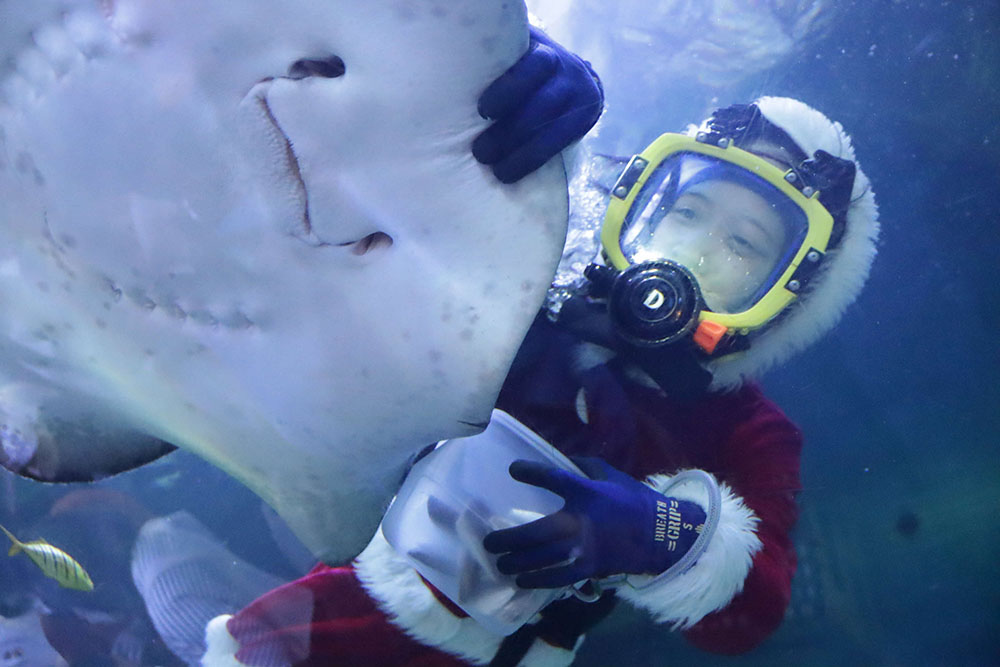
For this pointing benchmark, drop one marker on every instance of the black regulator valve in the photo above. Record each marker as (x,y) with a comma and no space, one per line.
(654,303)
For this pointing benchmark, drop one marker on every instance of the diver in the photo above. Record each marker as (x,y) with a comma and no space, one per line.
(723,250)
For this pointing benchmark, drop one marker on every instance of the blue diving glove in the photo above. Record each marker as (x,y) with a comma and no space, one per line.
(610,524)
(547,100)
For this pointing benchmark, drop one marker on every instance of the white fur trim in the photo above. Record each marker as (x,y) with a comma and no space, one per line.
(716,577)
(844,270)
(402,595)
(411,606)
(398,590)
(222,647)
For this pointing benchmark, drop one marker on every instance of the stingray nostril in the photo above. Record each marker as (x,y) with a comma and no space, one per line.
(371,242)
(329,68)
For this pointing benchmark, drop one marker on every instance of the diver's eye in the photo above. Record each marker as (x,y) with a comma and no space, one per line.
(741,246)
(327,68)
(685,214)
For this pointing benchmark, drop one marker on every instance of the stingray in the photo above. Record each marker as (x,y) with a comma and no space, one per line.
(255,230)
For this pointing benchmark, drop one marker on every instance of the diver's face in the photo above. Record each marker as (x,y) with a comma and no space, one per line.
(728,236)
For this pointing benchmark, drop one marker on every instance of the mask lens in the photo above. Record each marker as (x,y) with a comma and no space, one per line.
(732,229)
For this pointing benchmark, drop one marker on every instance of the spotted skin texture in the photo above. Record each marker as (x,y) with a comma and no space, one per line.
(211,240)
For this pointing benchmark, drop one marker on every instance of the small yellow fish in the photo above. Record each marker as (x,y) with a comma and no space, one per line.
(53,562)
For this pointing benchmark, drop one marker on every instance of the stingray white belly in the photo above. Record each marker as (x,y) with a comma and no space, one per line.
(180,218)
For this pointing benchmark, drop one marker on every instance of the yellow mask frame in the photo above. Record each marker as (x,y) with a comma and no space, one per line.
(714,326)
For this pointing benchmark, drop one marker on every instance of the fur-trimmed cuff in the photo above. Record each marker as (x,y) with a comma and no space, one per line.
(718,574)
(221,647)
(411,606)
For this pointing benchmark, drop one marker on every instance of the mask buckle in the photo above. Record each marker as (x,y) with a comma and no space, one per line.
(630,175)
(805,271)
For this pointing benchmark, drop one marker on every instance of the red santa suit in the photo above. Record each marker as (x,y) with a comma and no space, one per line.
(379,611)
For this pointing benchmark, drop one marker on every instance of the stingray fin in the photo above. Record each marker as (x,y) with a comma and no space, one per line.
(73,440)
(65,461)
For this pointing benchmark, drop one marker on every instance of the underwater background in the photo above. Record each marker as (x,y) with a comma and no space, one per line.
(900,405)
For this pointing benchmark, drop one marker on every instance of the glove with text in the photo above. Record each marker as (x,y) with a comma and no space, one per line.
(610,524)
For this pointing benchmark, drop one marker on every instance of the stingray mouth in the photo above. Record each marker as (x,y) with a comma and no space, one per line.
(284,185)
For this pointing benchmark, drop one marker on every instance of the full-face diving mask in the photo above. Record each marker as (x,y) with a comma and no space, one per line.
(705,239)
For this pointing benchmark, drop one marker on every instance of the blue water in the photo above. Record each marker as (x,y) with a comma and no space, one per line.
(899,405)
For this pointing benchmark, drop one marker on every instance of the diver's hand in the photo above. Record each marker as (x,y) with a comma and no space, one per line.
(610,524)
(547,100)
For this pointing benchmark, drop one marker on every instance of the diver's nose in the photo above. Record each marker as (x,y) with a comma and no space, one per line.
(709,244)
(696,251)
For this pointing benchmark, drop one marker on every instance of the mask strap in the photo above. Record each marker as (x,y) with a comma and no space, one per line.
(834,178)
